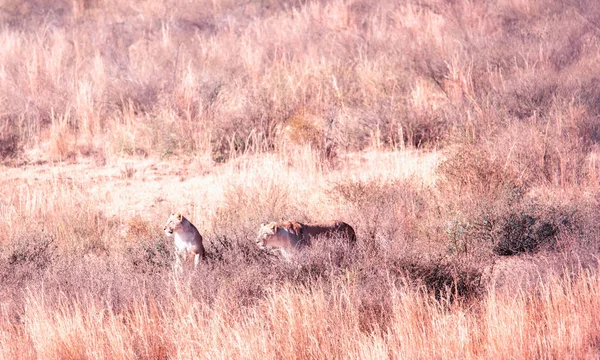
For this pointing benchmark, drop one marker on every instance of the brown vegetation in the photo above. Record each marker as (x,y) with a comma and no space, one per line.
(458,138)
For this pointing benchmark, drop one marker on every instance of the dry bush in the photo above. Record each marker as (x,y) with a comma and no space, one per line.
(474,171)
(552,155)
(489,205)
(247,203)
(10,142)
(512,234)
(150,254)
(396,242)
(381,211)
(532,95)
(26,257)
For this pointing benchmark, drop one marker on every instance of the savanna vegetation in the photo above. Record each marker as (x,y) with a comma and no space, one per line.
(458,138)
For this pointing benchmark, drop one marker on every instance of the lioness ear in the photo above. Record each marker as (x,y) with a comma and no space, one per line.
(179,216)
(296,227)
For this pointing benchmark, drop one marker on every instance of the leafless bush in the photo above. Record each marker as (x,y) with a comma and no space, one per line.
(380,211)
(489,210)
(26,258)
(10,142)
(473,171)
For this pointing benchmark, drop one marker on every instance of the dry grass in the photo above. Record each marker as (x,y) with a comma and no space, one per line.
(459,139)
(557,320)
(220,79)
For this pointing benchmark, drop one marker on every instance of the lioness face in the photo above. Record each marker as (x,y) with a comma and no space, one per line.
(273,235)
(173,222)
(265,233)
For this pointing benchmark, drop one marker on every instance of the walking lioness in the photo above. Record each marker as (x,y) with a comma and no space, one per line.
(291,235)
(187,238)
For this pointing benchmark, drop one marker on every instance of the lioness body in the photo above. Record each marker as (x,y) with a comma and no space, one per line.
(186,237)
(291,235)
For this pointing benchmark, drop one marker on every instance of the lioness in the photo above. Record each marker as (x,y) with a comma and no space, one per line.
(291,235)
(187,238)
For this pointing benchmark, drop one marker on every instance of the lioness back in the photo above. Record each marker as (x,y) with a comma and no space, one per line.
(329,229)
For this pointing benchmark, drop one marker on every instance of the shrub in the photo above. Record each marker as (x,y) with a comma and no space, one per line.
(150,254)
(474,172)
(26,258)
(487,209)
(528,231)
(10,145)
(380,211)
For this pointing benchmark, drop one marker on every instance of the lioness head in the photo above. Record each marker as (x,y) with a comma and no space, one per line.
(173,223)
(267,230)
(278,235)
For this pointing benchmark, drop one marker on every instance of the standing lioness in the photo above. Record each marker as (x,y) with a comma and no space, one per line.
(291,235)
(187,238)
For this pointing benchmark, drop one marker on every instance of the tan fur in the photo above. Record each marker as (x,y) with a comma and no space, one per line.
(291,235)
(186,238)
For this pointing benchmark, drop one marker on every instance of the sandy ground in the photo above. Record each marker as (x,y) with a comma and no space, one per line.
(153,188)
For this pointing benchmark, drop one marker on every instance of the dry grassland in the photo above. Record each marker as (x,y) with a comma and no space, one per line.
(459,138)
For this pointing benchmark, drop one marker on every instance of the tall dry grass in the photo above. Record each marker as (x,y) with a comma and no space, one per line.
(557,320)
(114,78)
